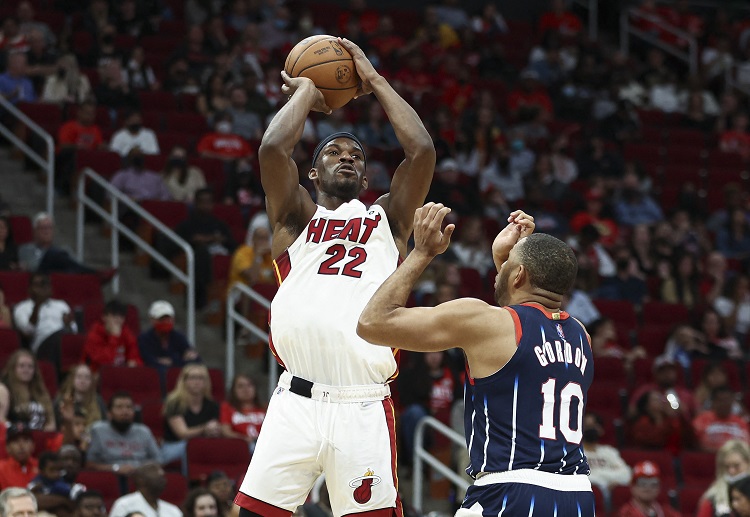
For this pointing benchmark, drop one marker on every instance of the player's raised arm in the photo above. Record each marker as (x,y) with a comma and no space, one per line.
(412,178)
(278,172)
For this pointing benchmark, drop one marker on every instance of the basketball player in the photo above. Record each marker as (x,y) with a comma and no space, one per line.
(332,412)
(529,367)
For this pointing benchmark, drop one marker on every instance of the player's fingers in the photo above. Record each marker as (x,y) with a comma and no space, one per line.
(448,232)
(440,216)
(434,209)
(286,90)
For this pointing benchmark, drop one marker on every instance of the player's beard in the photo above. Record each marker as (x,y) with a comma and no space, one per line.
(501,289)
(342,188)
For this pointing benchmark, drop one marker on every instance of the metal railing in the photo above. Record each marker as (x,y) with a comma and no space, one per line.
(47,165)
(421,455)
(233,317)
(627,29)
(112,217)
(593,8)
(730,79)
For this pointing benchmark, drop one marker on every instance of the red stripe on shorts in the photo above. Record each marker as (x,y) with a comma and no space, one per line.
(390,419)
(259,507)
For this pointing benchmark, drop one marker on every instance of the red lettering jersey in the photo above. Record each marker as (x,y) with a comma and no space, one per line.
(246,422)
(326,277)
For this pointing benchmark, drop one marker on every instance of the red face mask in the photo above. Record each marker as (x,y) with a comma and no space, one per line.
(164,327)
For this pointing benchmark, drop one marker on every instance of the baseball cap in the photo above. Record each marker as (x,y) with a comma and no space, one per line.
(646,469)
(17,430)
(663,360)
(160,308)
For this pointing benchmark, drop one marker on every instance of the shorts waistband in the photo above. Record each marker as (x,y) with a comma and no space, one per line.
(561,482)
(325,393)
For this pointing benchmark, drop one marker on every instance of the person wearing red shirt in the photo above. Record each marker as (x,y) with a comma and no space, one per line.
(608,231)
(737,139)
(242,415)
(645,489)
(81,133)
(529,101)
(560,20)
(19,468)
(714,427)
(222,143)
(110,342)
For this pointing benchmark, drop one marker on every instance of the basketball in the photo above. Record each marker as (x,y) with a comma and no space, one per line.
(328,64)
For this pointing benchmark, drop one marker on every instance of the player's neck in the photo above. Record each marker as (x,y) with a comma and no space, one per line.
(551,302)
(330,202)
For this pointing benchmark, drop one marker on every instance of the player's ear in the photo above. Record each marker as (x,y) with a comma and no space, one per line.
(520,276)
(313,173)
(364,182)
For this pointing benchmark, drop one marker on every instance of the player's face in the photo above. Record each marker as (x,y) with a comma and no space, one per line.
(341,169)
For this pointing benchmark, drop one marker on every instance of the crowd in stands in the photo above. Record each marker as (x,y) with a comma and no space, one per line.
(639,165)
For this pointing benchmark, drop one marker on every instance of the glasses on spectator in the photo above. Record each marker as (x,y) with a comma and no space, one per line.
(648,482)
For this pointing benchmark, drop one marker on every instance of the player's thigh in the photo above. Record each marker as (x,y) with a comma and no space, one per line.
(285,464)
(511,499)
(360,472)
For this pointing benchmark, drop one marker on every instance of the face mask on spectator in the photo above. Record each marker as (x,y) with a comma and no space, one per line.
(164,327)
(224,127)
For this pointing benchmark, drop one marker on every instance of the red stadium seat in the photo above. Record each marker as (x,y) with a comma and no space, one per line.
(104,163)
(217,381)
(610,370)
(141,382)
(662,458)
(77,289)
(156,100)
(106,483)
(49,375)
(43,440)
(213,170)
(730,368)
(689,498)
(230,214)
(661,313)
(71,350)
(15,285)
(204,455)
(21,229)
(152,417)
(42,113)
(175,491)
(653,338)
(472,284)
(619,311)
(170,139)
(171,213)
(193,123)
(698,468)
(10,341)
(606,398)
(645,153)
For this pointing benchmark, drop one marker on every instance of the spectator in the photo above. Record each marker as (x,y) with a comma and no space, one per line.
(683,343)
(219,484)
(559,19)
(666,381)
(336,122)
(113,91)
(150,482)
(681,284)
(739,495)
(241,415)
(161,346)
(455,189)
(590,252)
(603,334)
(139,183)
(472,249)
(128,21)
(213,100)
(71,460)
(193,51)
(8,248)
(79,391)
(182,179)
(427,387)
(713,376)
(41,60)
(97,17)
(27,23)
(216,36)
(67,84)
(90,503)
(189,411)
(608,469)
(222,143)
(578,302)
(625,284)
(375,129)
(80,134)
(737,139)
(734,307)
(658,425)
(208,236)
(732,464)
(132,135)
(201,502)
(179,80)
(529,101)
(716,274)
(42,320)
(109,342)
(11,38)
(634,205)
(733,239)
(53,494)
(621,126)
(715,426)
(20,467)
(596,160)
(594,214)
(696,116)
(244,189)
(140,75)
(545,175)
(244,123)
(121,445)
(645,493)
(24,394)
(719,343)
(15,84)
(17,501)
(43,256)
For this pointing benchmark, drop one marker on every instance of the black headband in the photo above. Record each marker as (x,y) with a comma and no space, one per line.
(334,136)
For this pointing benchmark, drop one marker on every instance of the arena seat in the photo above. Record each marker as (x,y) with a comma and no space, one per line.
(698,468)
(106,483)
(15,285)
(22,229)
(619,311)
(49,376)
(730,368)
(104,163)
(152,417)
(10,341)
(204,455)
(610,370)
(657,313)
(141,382)
(175,491)
(76,289)
(156,100)
(71,350)
(689,498)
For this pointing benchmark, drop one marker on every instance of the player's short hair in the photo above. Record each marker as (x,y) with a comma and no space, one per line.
(552,264)
(46,458)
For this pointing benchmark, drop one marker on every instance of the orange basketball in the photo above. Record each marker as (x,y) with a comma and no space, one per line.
(330,66)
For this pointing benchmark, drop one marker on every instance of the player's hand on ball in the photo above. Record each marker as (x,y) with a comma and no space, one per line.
(365,70)
(429,236)
(520,225)
(292,84)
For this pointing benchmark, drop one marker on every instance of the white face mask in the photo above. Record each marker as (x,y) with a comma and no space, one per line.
(224,127)
(731,479)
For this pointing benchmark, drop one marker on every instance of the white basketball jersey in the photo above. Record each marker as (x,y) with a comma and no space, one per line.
(326,277)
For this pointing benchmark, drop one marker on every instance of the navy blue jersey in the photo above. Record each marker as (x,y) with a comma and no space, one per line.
(529,414)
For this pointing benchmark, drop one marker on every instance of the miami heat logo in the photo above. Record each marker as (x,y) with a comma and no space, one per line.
(363,486)
(560,332)
(343,73)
